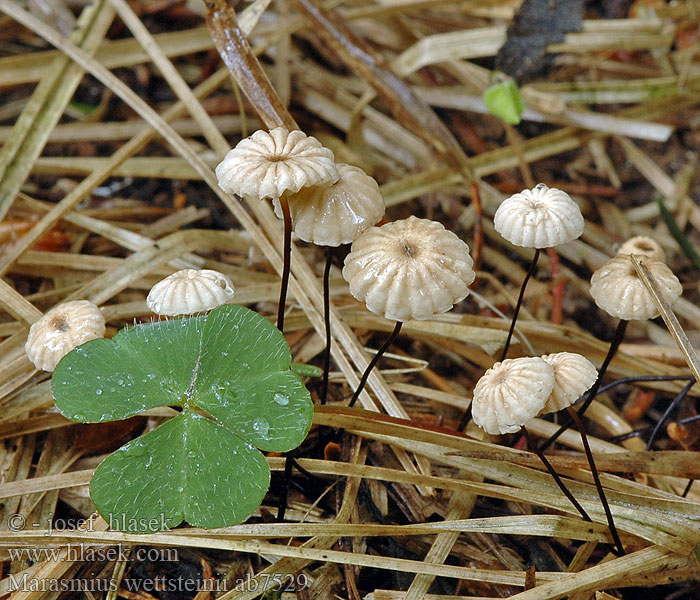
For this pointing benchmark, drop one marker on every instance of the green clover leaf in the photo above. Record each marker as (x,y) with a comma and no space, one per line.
(230,371)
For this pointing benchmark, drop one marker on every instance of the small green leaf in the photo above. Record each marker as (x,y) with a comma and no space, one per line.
(189,468)
(305,370)
(81,107)
(503,100)
(232,365)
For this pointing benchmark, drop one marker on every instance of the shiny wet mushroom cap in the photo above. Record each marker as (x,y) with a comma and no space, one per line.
(61,329)
(336,214)
(573,376)
(190,291)
(618,290)
(409,269)
(511,393)
(542,217)
(265,165)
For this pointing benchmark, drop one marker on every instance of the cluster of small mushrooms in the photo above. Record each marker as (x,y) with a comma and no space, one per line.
(408,269)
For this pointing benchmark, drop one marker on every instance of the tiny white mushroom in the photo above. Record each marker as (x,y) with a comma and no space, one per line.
(336,214)
(573,375)
(543,217)
(190,291)
(618,290)
(265,165)
(61,329)
(511,393)
(642,245)
(539,218)
(409,269)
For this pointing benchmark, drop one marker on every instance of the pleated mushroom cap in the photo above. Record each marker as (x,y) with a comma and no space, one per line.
(511,393)
(542,217)
(616,288)
(336,214)
(409,269)
(265,165)
(573,376)
(642,245)
(61,329)
(190,291)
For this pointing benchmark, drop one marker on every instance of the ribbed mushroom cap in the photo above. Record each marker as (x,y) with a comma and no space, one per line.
(190,291)
(618,290)
(642,245)
(511,393)
(573,375)
(265,165)
(61,329)
(336,214)
(542,217)
(409,269)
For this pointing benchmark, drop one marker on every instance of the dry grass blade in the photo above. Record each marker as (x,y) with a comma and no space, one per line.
(208,129)
(669,317)
(407,107)
(47,105)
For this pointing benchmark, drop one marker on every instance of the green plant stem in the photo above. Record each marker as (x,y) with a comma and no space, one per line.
(596,478)
(287,258)
(589,396)
(327,322)
(562,486)
(374,361)
(529,274)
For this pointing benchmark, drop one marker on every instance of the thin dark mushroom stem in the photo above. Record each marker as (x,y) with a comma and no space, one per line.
(596,478)
(530,273)
(687,488)
(327,322)
(284,488)
(465,419)
(374,361)
(671,407)
(562,486)
(642,378)
(590,395)
(287,258)
(314,481)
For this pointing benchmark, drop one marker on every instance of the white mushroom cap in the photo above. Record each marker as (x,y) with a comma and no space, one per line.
(573,375)
(539,218)
(618,290)
(265,165)
(409,269)
(642,245)
(190,291)
(336,214)
(511,393)
(61,329)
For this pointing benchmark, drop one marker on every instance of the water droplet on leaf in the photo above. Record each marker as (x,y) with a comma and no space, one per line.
(281,399)
(262,427)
